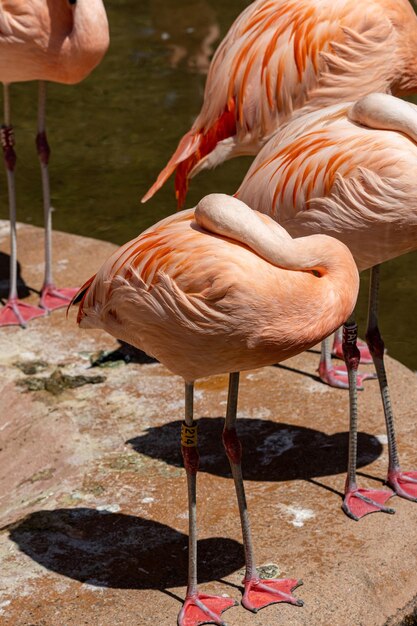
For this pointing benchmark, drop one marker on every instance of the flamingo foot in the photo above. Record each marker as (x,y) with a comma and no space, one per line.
(338,376)
(263,592)
(366,357)
(361,502)
(201,608)
(53,298)
(404,484)
(18,313)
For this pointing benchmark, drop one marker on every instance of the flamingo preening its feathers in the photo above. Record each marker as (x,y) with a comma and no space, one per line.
(221,288)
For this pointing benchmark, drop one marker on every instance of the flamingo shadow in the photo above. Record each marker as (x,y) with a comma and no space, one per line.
(294,370)
(119,551)
(23,290)
(125,352)
(271,451)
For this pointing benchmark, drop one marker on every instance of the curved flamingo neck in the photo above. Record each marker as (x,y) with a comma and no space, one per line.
(384,112)
(89,37)
(232,218)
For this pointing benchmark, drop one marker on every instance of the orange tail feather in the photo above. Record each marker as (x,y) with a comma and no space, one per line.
(192,148)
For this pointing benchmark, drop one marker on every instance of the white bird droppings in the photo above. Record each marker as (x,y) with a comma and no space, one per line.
(298,514)
(3,605)
(108,508)
(94,585)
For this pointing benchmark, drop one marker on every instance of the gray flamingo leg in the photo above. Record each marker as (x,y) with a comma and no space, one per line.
(403,483)
(51,297)
(198,608)
(258,593)
(357,502)
(14,312)
(337,376)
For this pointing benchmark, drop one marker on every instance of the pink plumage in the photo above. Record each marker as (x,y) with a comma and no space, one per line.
(221,288)
(281,58)
(345,172)
(55,41)
(349,171)
(60,41)
(204,302)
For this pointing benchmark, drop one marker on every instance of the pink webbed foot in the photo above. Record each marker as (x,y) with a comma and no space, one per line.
(263,592)
(18,313)
(361,502)
(201,608)
(404,484)
(338,376)
(366,357)
(53,298)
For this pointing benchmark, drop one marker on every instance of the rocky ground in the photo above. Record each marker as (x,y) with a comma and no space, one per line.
(93,498)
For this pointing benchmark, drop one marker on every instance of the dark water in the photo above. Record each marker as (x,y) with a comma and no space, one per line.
(112,134)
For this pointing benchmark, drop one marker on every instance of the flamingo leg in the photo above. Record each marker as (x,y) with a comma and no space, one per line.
(198,608)
(403,483)
(258,592)
(337,376)
(14,312)
(357,502)
(337,350)
(51,297)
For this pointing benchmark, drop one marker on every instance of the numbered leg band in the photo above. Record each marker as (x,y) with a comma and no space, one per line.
(189,436)
(350,349)
(189,448)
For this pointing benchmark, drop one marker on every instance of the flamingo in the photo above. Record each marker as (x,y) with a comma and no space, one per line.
(221,288)
(282,58)
(349,171)
(60,41)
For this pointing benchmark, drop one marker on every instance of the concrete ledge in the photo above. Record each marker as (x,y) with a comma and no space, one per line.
(93,496)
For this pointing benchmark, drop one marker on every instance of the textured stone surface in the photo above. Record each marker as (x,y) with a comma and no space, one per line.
(93,497)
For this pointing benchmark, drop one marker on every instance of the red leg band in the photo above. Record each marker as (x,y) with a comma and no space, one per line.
(375,342)
(7,141)
(232,445)
(191,459)
(43,148)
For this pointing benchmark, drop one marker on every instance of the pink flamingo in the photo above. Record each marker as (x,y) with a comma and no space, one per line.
(282,58)
(349,171)
(60,41)
(219,289)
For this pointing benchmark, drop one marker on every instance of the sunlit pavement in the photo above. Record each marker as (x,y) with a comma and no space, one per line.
(93,495)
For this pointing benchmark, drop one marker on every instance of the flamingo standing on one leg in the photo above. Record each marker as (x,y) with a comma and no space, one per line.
(60,41)
(221,289)
(349,171)
(282,58)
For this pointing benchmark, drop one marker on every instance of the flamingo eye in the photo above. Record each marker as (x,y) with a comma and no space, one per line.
(72,1)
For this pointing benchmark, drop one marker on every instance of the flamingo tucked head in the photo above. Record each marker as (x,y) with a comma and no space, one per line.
(53,40)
